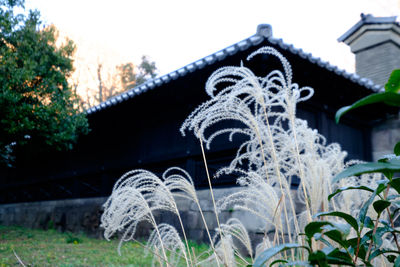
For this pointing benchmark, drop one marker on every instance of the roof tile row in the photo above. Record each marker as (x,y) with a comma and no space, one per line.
(220,55)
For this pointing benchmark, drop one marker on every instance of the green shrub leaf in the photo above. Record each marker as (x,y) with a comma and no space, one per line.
(378,252)
(396,149)
(368,222)
(369,167)
(278,261)
(391,258)
(397,262)
(395,183)
(269,253)
(364,209)
(314,227)
(389,98)
(393,84)
(339,257)
(318,258)
(298,263)
(347,217)
(337,236)
(362,218)
(380,205)
(339,190)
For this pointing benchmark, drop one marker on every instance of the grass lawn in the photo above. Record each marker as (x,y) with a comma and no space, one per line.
(52,248)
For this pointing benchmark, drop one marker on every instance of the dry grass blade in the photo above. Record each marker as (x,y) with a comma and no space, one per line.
(18,258)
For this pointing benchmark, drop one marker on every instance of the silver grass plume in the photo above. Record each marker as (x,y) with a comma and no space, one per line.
(223,253)
(228,245)
(180,183)
(256,197)
(135,196)
(279,146)
(234,227)
(170,241)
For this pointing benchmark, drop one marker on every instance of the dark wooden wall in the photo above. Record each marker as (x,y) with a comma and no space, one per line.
(143,132)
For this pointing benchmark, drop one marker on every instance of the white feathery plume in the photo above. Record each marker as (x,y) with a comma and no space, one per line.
(279,146)
(135,196)
(256,196)
(180,183)
(226,251)
(170,240)
(223,253)
(237,230)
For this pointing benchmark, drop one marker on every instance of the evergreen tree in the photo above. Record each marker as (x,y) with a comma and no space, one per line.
(37,106)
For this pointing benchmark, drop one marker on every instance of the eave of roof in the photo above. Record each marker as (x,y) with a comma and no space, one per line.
(263,33)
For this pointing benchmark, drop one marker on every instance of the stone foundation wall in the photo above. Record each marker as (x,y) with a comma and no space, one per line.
(83,215)
(74,215)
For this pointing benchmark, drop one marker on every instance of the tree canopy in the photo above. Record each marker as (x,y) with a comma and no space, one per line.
(146,70)
(37,106)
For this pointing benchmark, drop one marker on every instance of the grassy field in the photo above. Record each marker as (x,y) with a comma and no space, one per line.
(52,248)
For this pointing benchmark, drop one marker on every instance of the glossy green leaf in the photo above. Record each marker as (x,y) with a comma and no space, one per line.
(380,205)
(368,222)
(269,253)
(314,227)
(395,211)
(353,243)
(385,223)
(377,237)
(364,209)
(367,237)
(389,98)
(395,183)
(369,167)
(347,217)
(298,263)
(393,84)
(378,252)
(337,236)
(339,190)
(392,197)
(339,257)
(343,227)
(320,237)
(339,261)
(318,258)
(382,185)
(391,258)
(397,262)
(278,261)
(396,149)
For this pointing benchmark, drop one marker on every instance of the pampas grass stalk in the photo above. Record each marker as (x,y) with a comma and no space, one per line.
(213,200)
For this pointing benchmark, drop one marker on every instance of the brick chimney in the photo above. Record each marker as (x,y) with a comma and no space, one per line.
(375,41)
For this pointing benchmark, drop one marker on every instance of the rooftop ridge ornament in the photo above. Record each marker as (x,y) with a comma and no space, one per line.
(264,30)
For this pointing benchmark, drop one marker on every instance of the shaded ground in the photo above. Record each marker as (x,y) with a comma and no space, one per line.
(52,248)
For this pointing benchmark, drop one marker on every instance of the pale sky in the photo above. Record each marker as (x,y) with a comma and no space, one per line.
(174,32)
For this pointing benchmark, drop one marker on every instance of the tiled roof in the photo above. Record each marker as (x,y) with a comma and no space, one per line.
(367,19)
(264,32)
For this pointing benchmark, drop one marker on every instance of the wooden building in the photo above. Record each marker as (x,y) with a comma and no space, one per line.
(140,128)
